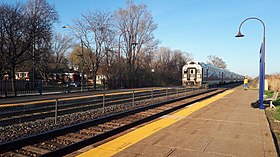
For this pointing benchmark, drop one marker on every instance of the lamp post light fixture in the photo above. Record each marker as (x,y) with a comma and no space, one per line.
(83,59)
(262,59)
(134,43)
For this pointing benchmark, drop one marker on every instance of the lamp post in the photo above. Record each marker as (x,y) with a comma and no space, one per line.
(133,47)
(34,61)
(262,59)
(68,80)
(153,82)
(133,43)
(83,59)
(119,60)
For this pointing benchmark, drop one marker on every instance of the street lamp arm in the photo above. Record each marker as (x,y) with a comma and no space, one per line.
(254,18)
(262,59)
(119,57)
(119,45)
(122,34)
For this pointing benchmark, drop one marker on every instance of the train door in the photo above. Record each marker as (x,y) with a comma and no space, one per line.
(192,74)
(207,74)
(222,77)
(219,77)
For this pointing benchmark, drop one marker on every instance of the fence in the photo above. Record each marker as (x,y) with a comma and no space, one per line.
(67,111)
(9,88)
(39,87)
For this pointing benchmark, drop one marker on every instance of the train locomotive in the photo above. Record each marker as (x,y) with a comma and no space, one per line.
(199,73)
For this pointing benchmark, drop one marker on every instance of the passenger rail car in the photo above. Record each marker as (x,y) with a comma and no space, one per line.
(198,73)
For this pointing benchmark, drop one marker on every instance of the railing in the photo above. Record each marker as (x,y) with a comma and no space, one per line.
(56,109)
(39,87)
(9,88)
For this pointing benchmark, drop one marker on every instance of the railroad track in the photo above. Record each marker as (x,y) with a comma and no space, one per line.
(65,140)
(26,113)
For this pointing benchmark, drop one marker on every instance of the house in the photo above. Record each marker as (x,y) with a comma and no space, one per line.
(22,75)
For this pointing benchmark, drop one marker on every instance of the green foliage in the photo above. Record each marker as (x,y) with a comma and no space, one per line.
(277,101)
(269,93)
(277,113)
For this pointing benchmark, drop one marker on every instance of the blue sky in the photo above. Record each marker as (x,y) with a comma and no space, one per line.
(202,27)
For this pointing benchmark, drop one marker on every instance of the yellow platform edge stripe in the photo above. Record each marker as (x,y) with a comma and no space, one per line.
(117,145)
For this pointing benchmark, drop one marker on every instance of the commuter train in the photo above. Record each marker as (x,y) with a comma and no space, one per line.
(198,73)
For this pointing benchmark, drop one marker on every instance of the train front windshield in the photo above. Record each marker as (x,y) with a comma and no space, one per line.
(192,73)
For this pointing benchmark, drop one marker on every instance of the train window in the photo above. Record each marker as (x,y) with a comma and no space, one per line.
(192,71)
(185,71)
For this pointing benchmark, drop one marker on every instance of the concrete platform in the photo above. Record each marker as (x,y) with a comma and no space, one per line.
(228,126)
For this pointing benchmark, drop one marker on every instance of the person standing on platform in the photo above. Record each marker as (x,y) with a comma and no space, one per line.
(245,83)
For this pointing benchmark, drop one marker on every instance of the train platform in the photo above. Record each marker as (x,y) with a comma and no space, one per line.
(224,125)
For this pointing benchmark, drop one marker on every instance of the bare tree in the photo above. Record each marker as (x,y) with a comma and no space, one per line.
(162,59)
(109,61)
(168,65)
(96,31)
(136,25)
(60,45)
(23,25)
(15,38)
(54,59)
(41,16)
(216,61)
(3,42)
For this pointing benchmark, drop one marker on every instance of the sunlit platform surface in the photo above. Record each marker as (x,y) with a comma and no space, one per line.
(224,125)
